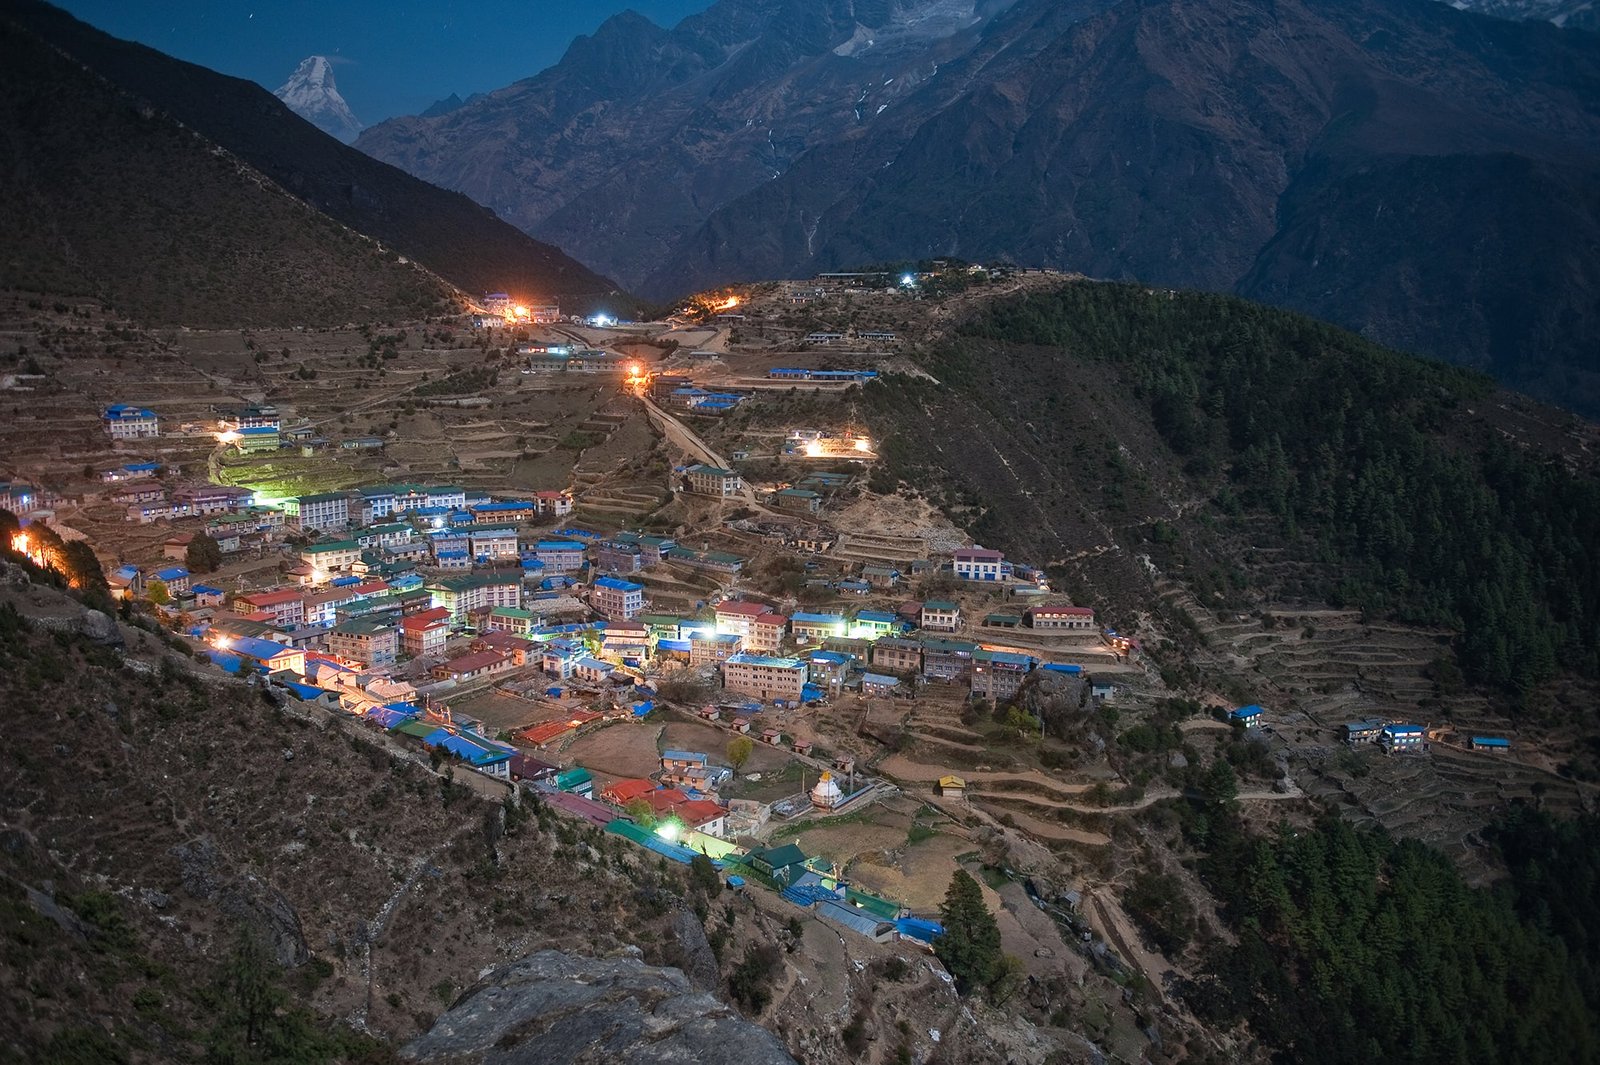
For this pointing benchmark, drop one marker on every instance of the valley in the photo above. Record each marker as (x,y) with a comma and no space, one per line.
(922,611)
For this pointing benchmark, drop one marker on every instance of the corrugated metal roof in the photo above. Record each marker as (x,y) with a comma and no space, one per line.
(852,918)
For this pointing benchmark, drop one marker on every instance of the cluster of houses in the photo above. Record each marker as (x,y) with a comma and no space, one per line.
(564,358)
(1398,737)
(249,430)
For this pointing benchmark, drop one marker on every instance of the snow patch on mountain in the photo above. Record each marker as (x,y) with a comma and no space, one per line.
(312,94)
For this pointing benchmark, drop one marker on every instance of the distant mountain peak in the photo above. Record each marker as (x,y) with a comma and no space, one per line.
(1579,14)
(312,93)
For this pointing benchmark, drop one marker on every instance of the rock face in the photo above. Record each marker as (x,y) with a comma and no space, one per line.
(1425,176)
(558,1009)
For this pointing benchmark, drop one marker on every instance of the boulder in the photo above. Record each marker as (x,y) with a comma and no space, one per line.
(554,1008)
(99,628)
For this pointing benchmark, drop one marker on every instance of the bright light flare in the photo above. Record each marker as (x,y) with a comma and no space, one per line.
(814,448)
(669,830)
(728,304)
(227,436)
(863,444)
(221,641)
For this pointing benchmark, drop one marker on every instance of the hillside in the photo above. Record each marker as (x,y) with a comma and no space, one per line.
(446,232)
(1252,453)
(221,877)
(1424,176)
(100,197)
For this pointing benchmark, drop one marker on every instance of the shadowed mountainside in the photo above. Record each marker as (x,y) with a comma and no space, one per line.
(446,232)
(101,196)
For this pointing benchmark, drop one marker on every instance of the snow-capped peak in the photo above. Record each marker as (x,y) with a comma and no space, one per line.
(311,93)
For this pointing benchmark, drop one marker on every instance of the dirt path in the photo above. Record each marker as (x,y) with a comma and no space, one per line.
(898,765)
(1116,928)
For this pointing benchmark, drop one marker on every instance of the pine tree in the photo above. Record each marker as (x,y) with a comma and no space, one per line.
(204,555)
(970,946)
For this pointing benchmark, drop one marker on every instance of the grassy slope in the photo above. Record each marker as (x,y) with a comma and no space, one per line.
(110,770)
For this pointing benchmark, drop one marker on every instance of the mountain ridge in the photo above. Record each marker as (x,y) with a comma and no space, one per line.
(456,238)
(1220,145)
(101,196)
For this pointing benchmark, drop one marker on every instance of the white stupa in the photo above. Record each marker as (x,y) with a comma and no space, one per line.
(826,794)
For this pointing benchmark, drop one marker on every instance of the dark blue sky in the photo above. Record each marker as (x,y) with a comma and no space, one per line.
(392,57)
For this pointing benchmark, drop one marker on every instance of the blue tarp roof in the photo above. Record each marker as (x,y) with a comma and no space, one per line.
(387,716)
(1491,741)
(917,928)
(471,750)
(251,647)
(1061,667)
(229,663)
(306,692)
(810,693)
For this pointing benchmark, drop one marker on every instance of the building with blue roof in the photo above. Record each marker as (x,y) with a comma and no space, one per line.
(593,670)
(1492,744)
(616,600)
(125,422)
(175,579)
(1401,738)
(765,677)
(560,556)
(267,655)
(871,624)
(481,753)
(1248,716)
(879,684)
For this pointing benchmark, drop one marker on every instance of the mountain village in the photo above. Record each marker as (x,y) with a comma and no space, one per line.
(708,649)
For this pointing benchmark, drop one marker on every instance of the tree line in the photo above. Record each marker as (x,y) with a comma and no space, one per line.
(1374,465)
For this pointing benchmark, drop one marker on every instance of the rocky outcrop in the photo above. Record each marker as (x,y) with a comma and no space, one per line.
(244,897)
(699,961)
(560,1009)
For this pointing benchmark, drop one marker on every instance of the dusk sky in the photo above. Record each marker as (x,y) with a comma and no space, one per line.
(392,57)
